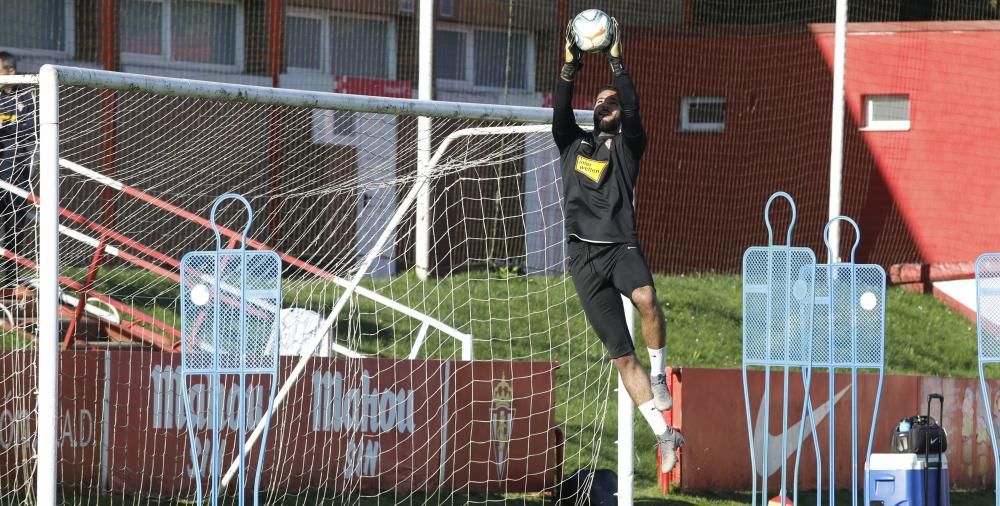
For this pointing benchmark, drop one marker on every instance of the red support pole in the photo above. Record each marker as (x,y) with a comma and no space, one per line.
(276,25)
(126,241)
(161,335)
(109,35)
(88,285)
(673,419)
(110,61)
(275,151)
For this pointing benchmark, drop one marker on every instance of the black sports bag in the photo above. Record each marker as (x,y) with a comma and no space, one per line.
(925,436)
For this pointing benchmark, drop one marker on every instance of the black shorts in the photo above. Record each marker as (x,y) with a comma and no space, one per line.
(602,273)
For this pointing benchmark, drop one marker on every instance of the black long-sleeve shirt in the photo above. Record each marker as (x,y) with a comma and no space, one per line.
(599,181)
(17,135)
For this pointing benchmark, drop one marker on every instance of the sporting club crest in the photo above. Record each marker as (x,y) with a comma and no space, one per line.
(501,421)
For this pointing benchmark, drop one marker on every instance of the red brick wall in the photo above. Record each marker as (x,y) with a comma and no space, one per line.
(920,195)
(938,173)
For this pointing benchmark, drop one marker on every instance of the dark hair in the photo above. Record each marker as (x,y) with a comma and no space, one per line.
(608,87)
(7,60)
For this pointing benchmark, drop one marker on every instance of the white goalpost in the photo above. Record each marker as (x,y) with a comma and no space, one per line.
(48,285)
(396,275)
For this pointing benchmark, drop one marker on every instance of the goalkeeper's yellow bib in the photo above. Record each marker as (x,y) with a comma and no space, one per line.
(593,169)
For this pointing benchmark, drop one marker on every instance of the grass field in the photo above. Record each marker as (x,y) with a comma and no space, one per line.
(539,318)
(643,497)
(704,317)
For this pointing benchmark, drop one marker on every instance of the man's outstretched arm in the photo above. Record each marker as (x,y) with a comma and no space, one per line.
(632,130)
(564,127)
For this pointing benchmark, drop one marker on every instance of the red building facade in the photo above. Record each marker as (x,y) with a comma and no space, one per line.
(920,190)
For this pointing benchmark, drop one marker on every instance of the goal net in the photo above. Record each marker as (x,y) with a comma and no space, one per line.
(462,372)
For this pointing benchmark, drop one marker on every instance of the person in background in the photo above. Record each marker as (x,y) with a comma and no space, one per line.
(17,147)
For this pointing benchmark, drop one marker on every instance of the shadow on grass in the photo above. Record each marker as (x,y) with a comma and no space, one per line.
(702,499)
(644,497)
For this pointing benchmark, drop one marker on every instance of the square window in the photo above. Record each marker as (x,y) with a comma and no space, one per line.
(303,40)
(142,27)
(449,55)
(466,58)
(343,45)
(360,47)
(405,5)
(203,32)
(703,114)
(189,31)
(887,112)
(34,24)
(493,67)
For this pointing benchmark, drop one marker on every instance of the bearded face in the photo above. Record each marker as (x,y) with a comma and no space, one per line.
(607,112)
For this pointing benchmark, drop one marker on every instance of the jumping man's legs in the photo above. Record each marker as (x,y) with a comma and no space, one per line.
(599,276)
(653,333)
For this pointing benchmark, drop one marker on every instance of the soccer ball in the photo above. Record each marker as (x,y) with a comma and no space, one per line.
(592,30)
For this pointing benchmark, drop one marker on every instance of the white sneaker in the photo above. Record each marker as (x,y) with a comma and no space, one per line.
(661,396)
(668,443)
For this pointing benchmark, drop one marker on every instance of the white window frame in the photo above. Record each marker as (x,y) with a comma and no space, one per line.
(870,125)
(470,59)
(469,83)
(326,19)
(324,41)
(688,126)
(69,38)
(166,58)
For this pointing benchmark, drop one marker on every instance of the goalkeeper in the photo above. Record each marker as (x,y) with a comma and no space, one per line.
(599,172)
